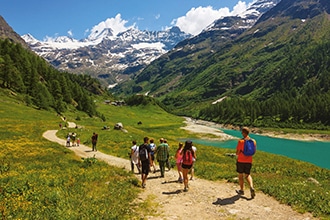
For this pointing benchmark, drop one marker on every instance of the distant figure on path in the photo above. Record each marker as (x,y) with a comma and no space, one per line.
(135,157)
(192,170)
(178,159)
(168,164)
(244,163)
(152,153)
(162,156)
(78,142)
(187,161)
(68,140)
(94,141)
(144,160)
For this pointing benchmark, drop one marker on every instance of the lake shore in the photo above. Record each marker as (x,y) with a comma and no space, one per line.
(205,128)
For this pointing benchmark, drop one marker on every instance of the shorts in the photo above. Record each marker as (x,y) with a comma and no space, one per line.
(185,166)
(243,167)
(145,167)
(152,157)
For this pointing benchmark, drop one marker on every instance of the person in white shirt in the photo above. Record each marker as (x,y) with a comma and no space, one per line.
(192,171)
(135,157)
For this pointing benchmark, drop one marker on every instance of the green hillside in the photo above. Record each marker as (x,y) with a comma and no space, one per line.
(43,180)
(44,87)
(282,59)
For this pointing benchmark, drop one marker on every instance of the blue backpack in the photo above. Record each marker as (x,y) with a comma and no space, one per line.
(249,148)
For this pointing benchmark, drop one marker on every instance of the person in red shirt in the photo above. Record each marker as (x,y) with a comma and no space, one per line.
(244,164)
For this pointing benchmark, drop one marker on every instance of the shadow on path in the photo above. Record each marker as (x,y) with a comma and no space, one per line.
(174,192)
(227,201)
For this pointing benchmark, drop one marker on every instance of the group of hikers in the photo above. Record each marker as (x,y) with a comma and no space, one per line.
(144,156)
(73,139)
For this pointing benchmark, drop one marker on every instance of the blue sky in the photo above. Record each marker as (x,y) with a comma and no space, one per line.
(76,18)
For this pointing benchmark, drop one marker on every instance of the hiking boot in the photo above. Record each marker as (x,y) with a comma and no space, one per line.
(185,189)
(253,194)
(240,192)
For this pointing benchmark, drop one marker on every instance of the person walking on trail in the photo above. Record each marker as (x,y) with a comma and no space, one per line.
(135,157)
(162,156)
(152,153)
(244,163)
(94,141)
(187,161)
(168,163)
(178,159)
(192,170)
(144,160)
(68,140)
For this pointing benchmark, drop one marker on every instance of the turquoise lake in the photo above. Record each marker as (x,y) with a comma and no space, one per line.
(314,152)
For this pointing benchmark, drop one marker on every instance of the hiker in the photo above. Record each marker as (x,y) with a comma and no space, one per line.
(162,156)
(244,163)
(168,164)
(135,157)
(192,170)
(78,142)
(178,159)
(187,160)
(144,160)
(73,139)
(152,153)
(94,141)
(68,140)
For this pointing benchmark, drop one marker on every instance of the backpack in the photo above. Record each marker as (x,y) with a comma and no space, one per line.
(143,153)
(249,148)
(187,158)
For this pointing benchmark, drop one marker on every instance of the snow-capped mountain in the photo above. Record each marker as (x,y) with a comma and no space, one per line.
(246,19)
(106,54)
(114,55)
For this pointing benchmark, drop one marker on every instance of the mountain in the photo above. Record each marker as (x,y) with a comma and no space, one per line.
(279,65)
(6,32)
(170,71)
(112,57)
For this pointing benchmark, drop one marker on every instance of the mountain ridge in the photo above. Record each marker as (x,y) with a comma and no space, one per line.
(105,56)
(252,65)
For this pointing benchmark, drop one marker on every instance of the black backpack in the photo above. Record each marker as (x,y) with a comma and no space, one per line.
(143,152)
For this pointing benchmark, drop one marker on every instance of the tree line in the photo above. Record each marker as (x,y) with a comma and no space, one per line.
(294,94)
(43,86)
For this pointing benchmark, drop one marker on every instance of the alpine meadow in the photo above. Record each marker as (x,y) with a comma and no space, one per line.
(271,76)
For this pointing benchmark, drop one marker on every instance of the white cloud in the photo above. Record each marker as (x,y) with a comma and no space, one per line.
(239,8)
(116,24)
(70,33)
(199,18)
(157,16)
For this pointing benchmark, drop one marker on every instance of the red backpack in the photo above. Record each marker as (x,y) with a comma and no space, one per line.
(187,158)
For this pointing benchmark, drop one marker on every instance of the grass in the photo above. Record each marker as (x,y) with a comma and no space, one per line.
(44,180)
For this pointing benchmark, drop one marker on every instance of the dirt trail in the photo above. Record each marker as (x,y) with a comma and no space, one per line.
(204,200)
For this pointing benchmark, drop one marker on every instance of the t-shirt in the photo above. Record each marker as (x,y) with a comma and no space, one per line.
(194,149)
(153,148)
(135,155)
(162,152)
(179,156)
(147,147)
(241,157)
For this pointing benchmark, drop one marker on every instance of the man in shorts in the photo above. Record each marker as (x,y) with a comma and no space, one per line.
(244,164)
(144,162)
